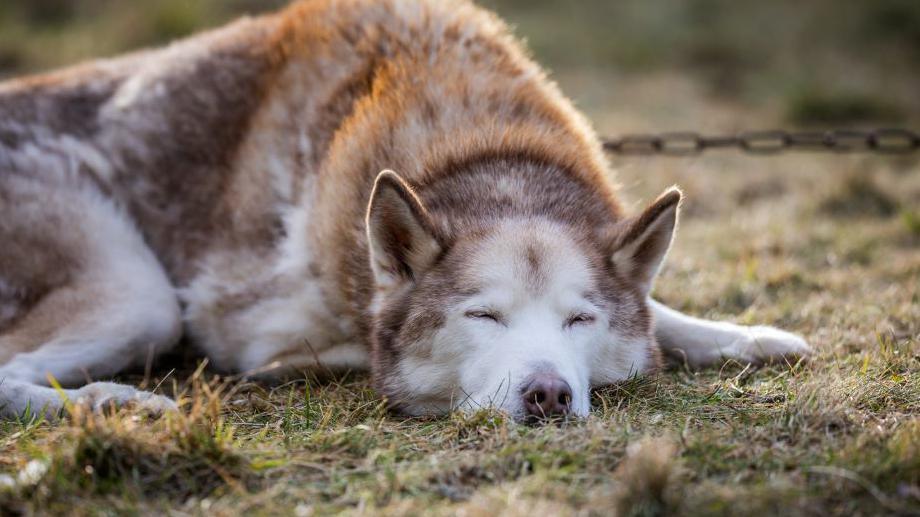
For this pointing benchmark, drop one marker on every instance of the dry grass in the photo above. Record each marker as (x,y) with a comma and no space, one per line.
(789,241)
(827,246)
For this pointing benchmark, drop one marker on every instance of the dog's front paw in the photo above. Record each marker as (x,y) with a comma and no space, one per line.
(103,395)
(763,344)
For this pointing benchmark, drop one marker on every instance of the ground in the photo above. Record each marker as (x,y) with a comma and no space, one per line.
(827,246)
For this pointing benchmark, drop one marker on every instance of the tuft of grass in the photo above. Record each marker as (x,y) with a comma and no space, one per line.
(645,479)
(911,220)
(128,455)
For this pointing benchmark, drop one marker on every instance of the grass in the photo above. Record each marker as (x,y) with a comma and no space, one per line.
(824,245)
(839,434)
(842,435)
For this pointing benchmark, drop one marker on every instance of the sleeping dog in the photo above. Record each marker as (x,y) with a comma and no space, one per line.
(357,184)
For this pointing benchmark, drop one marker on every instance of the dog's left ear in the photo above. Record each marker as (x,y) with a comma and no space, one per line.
(643,241)
(400,234)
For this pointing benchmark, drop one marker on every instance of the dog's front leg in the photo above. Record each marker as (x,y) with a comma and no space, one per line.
(19,398)
(701,342)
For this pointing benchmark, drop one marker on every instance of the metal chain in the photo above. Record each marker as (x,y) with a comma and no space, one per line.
(884,141)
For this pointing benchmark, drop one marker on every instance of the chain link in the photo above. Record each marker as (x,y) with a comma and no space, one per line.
(884,141)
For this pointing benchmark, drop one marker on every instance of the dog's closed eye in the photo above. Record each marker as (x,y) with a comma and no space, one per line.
(485,315)
(581,318)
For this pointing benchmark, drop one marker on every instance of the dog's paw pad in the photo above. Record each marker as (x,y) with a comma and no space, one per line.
(768,344)
(105,395)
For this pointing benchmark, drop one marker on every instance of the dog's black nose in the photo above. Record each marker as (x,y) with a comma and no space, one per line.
(547,395)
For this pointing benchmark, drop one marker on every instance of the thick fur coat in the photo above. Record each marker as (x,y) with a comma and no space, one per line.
(229,187)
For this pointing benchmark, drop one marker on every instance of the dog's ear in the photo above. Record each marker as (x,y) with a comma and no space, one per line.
(400,235)
(643,241)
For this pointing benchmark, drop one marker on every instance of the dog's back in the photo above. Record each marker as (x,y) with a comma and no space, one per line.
(203,142)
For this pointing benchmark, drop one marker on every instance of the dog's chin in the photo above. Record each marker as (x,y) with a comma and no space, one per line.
(519,415)
(523,418)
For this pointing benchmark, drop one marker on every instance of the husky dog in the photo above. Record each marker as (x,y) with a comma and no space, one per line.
(347,184)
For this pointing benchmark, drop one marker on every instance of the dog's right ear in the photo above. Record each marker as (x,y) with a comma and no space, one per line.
(400,235)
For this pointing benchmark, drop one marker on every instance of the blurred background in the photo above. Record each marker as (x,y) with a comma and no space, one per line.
(766,237)
(805,61)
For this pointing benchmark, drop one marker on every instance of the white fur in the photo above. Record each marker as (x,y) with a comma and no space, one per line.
(60,156)
(487,362)
(134,315)
(291,325)
(9,306)
(294,318)
(291,319)
(701,342)
(17,398)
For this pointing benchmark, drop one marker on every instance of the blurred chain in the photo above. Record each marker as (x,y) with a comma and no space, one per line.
(883,141)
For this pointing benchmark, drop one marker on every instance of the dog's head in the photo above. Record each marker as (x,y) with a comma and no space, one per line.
(523,315)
